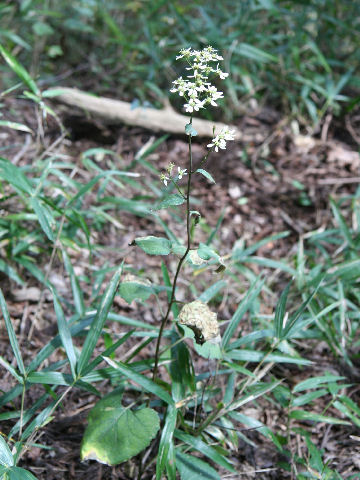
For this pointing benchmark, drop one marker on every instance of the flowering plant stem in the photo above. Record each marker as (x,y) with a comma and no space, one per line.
(181,261)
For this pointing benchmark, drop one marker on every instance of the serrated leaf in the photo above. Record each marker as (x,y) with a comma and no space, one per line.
(190,130)
(192,468)
(116,433)
(206,174)
(170,201)
(154,245)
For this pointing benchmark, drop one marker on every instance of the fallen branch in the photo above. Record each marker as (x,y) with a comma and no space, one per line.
(116,111)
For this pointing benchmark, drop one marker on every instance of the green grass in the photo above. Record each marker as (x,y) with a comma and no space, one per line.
(284,53)
(298,56)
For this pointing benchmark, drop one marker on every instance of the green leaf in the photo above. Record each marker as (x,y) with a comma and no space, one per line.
(206,174)
(205,449)
(346,270)
(41,29)
(166,440)
(257,391)
(209,349)
(206,253)
(181,378)
(256,424)
(190,130)
(291,325)
(98,322)
(245,305)
(15,126)
(15,473)
(75,286)
(6,458)
(11,370)
(347,411)
(107,353)
(52,92)
(154,245)
(314,382)
(316,417)
(342,223)
(11,332)
(13,175)
(170,201)
(65,335)
(131,290)
(211,291)
(192,468)
(171,463)
(145,382)
(308,397)
(115,433)
(10,272)
(254,53)
(280,312)
(44,216)
(19,70)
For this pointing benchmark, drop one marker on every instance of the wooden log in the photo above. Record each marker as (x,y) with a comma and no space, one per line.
(117,111)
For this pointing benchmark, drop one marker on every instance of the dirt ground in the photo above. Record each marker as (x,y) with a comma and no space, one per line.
(279,181)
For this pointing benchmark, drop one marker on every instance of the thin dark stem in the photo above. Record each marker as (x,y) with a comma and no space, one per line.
(181,261)
(203,160)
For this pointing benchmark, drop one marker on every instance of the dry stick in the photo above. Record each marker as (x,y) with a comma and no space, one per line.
(181,261)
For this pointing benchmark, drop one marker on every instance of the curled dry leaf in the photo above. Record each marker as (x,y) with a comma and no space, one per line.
(202,321)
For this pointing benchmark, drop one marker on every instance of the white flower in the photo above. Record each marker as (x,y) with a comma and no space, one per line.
(222,75)
(181,172)
(193,104)
(164,178)
(196,90)
(220,140)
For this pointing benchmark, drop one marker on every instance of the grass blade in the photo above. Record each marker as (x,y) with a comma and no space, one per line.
(20,71)
(241,310)
(145,382)
(166,440)
(280,312)
(98,322)
(11,332)
(205,449)
(65,334)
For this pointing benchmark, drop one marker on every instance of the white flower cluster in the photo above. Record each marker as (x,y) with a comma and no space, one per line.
(220,140)
(165,178)
(197,91)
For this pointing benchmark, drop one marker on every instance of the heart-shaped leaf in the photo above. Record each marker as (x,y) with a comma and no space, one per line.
(116,433)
